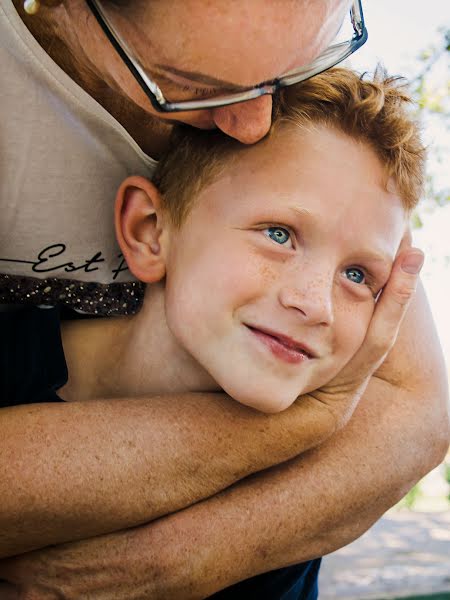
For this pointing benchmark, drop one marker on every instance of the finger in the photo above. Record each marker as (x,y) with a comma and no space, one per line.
(392,306)
(386,320)
(406,242)
(349,385)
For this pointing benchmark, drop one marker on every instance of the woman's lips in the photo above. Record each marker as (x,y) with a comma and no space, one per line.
(284,349)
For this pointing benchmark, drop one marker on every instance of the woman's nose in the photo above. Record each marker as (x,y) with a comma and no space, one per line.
(248,121)
(312,301)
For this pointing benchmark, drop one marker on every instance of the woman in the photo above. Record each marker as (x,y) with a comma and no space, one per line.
(72,99)
(76,122)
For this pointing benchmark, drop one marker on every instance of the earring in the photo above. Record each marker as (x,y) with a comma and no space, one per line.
(31,7)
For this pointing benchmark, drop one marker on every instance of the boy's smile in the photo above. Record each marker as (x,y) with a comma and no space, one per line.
(282,346)
(271,279)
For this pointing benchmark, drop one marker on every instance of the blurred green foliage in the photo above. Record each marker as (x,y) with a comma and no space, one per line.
(419,496)
(432,95)
(410,499)
(447,476)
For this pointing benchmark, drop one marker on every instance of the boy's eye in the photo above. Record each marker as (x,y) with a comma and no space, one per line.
(279,235)
(355,275)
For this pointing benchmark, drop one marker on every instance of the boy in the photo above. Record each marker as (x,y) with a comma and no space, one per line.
(264,267)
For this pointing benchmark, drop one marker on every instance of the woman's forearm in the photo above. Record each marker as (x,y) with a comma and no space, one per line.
(73,470)
(291,513)
(304,509)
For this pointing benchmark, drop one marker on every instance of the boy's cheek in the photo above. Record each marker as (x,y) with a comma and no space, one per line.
(352,333)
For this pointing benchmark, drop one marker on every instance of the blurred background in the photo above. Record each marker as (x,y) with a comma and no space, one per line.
(407,554)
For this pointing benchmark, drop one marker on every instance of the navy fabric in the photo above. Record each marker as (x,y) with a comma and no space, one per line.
(32,363)
(298,582)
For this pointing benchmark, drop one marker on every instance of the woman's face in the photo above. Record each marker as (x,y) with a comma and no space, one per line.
(193,49)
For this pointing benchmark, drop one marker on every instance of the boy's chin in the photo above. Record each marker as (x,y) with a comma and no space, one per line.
(261,391)
(266,403)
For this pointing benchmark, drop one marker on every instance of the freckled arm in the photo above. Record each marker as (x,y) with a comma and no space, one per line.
(73,470)
(293,512)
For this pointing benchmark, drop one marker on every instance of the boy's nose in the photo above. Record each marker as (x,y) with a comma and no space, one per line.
(313,302)
(248,121)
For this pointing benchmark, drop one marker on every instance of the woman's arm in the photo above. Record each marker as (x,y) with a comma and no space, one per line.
(324,499)
(303,509)
(312,506)
(75,470)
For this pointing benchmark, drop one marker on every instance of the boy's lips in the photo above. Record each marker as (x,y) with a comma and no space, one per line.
(282,345)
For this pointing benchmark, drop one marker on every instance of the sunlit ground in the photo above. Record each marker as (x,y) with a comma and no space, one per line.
(405,554)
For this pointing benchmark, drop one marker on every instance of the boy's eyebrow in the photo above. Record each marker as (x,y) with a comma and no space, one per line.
(377,256)
(303,212)
(197,77)
(369,254)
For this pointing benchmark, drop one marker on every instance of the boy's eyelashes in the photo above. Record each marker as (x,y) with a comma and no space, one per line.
(373,281)
(361,276)
(285,237)
(355,275)
(281,235)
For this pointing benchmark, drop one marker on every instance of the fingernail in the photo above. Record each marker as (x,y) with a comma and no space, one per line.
(412,263)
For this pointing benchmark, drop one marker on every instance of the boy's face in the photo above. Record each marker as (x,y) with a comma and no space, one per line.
(271,279)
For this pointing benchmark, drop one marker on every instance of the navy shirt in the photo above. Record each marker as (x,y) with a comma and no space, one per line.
(32,363)
(298,582)
(33,368)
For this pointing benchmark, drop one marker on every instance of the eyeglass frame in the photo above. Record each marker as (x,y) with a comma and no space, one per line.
(160,104)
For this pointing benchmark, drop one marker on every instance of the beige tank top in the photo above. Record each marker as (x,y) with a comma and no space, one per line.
(62,158)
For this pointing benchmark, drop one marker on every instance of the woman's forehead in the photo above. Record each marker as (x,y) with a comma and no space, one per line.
(244,43)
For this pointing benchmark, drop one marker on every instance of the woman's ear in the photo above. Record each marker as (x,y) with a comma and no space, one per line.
(139,231)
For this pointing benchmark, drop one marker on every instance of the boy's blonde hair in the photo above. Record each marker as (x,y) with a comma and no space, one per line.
(373,111)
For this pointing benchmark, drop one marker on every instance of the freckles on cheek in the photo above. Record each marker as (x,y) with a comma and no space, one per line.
(266,273)
(259,266)
(259,276)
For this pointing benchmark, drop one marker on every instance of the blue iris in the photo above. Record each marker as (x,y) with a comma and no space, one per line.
(278,234)
(355,275)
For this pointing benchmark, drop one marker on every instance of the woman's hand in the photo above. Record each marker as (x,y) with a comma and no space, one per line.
(342,394)
(110,567)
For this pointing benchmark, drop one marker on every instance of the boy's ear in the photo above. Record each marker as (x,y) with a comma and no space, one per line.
(139,231)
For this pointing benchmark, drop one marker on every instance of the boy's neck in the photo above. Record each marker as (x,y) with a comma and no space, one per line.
(129,356)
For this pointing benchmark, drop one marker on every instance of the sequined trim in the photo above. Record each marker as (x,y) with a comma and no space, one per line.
(105,299)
